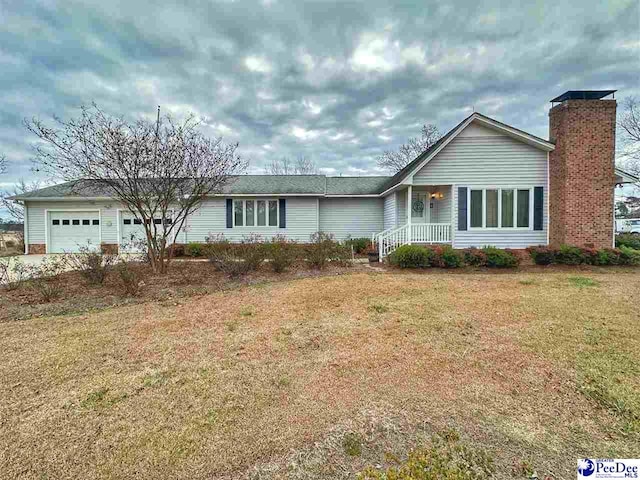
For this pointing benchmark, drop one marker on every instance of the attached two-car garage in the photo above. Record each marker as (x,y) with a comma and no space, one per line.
(68,231)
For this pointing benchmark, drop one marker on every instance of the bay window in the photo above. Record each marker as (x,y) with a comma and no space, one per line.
(499,207)
(250,213)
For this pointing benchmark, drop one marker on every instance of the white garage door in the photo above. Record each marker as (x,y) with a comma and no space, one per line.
(68,231)
(132,235)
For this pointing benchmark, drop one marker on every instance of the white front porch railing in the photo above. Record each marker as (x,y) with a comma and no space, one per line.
(393,238)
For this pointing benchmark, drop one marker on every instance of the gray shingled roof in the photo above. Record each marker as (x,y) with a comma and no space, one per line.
(355,185)
(238,185)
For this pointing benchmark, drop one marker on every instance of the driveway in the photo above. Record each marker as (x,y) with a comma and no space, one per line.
(36,260)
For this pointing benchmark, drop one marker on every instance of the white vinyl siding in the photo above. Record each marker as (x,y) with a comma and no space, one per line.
(351,217)
(441,211)
(489,161)
(211,219)
(390,211)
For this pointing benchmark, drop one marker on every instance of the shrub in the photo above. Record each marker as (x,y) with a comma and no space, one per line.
(323,249)
(475,257)
(359,244)
(281,253)
(177,250)
(411,256)
(629,256)
(606,256)
(15,273)
(10,243)
(129,279)
(194,249)
(451,258)
(542,255)
(569,255)
(628,240)
(238,259)
(43,277)
(94,265)
(497,258)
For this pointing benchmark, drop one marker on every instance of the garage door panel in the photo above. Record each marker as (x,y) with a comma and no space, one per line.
(132,234)
(69,231)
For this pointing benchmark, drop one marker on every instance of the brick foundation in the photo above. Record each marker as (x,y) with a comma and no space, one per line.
(37,249)
(581,173)
(110,248)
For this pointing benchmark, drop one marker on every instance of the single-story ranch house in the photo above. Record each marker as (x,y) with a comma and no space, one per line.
(483,183)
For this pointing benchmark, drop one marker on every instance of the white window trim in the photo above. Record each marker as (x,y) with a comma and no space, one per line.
(255,213)
(500,228)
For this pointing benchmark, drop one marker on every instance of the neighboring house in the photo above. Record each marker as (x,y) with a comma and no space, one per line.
(483,183)
(10,235)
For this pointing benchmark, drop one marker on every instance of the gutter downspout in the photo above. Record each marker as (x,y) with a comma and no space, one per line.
(25,226)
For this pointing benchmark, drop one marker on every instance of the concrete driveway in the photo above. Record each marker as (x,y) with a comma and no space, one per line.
(36,260)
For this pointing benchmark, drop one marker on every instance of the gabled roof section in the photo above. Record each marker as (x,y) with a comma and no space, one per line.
(433,150)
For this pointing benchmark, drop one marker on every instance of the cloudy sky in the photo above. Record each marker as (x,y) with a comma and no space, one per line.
(336,82)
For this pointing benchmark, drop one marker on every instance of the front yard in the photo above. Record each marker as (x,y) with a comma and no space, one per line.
(322,377)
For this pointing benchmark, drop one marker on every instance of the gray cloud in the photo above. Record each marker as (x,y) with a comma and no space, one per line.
(336,82)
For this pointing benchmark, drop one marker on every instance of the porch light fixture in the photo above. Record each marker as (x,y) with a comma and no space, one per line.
(437,195)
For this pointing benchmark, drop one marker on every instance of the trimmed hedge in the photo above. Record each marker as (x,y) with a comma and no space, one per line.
(570,255)
(411,256)
(417,256)
(497,258)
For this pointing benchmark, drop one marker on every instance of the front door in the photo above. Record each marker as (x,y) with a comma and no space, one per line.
(420,207)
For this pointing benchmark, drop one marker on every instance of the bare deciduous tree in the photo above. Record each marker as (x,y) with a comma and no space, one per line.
(16,209)
(160,171)
(396,160)
(629,125)
(301,166)
(3,164)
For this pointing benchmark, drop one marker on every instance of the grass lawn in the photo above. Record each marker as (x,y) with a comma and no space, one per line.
(322,377)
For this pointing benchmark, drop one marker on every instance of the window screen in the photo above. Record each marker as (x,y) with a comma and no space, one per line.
(249,214)
(523,208)
(507,208)
(492,209)
(262,213)
(273,213)
(476,208)
(237,212)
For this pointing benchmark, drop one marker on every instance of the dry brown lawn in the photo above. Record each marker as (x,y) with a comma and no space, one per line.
(320,377)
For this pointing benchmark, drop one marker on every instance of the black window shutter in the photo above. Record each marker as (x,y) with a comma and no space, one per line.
(462,208)
(229,213)
(538,208)
(283,213)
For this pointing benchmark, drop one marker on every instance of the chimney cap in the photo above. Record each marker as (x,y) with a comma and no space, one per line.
(582,95)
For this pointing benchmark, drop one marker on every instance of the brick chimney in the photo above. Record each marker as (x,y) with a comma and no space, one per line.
(581,169)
